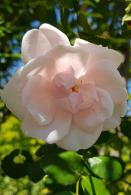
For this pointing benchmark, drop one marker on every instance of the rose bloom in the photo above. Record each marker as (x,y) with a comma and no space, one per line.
(66,94)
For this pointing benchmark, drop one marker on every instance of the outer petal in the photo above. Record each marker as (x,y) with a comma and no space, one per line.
(38,100)
(11,95)
(38,42)
(34,44)
(115,119)
(78,139)
(54,36)
(12,92)
(119,94)
(122,108)
(43,114)
(52,132)
(98,52)
(105,76)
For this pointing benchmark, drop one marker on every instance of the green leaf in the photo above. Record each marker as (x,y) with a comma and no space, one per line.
(35,172)
(127,16)
(91,185)
(53,185)
(107,168)
(13,168)
(65,167)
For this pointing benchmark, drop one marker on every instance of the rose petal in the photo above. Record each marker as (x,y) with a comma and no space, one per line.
(87,120)
(56,61)
(38,100)
(54,35)
(38,42)
(62,83)
(74,100)
(77,139)
(66,57)
(89,95)
(71,102)
(118,94)
(12,92)
(34,44)
(94,116)
(11,95)
(99,52)
(115,120)
(103,108)
(107,77)
(42,113)
(122,108)
(51,133)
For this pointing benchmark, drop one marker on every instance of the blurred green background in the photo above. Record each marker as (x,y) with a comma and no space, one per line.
(106,22)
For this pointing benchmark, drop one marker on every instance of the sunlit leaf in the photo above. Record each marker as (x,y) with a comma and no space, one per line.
(64,167)
(105,167)
(92,185)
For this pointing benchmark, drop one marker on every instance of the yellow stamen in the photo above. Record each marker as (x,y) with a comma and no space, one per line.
(75,88)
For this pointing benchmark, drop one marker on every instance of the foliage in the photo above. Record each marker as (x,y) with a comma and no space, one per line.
(28,166)
(127,16)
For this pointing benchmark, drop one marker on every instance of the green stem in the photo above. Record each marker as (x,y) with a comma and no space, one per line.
(92,186)
(77,187)
(63,17)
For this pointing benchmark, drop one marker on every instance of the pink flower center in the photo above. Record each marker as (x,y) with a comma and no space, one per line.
(73,94)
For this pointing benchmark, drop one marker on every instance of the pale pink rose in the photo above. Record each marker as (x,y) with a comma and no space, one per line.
(66,94)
